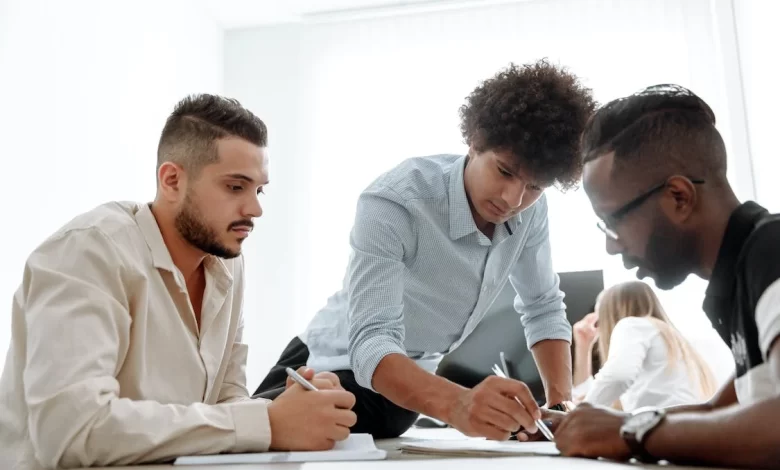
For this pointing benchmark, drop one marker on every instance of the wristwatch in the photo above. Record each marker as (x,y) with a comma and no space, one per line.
(562,406)
(637,427)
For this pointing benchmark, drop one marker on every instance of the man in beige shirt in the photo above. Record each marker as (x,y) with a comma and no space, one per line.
(126,331)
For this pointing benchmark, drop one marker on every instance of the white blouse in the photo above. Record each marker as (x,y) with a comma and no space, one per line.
(637,371)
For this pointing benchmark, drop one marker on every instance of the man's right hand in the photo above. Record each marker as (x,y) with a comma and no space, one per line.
(310,420)
(490,409)
(321,380)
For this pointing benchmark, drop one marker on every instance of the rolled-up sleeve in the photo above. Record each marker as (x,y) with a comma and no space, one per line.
(539,299)
(78,329)
(381,238)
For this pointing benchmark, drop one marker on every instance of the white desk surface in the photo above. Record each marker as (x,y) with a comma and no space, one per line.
(398,460)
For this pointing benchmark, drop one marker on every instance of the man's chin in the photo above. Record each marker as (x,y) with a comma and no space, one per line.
(498,220)
(232,253)
(661,282)
(224,252)
(668,284)
(491,215)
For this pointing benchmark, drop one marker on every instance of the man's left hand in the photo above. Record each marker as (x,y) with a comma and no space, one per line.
(592,432)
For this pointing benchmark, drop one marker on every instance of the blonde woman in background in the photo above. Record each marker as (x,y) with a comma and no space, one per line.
(648,361)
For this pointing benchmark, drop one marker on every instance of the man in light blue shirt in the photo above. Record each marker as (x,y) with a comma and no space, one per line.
(434,241)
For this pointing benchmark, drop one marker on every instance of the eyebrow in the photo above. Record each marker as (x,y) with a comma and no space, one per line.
(515,170)
(510,168)
(239,176)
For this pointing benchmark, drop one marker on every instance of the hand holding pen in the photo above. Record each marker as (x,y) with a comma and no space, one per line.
(494,409)
(539,423)
(320,380)
(325,414)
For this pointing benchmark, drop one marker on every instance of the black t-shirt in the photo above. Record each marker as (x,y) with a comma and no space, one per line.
(748,263)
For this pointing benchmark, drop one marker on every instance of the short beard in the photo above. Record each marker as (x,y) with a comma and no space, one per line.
(190,224)
(670,254)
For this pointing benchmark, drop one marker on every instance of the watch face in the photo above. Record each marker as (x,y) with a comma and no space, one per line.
(642,421)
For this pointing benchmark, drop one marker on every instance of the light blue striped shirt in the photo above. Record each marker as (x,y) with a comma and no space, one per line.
(421,276)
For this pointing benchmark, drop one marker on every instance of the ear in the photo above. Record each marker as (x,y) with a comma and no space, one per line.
(472,152)
(171,181)
(681,198)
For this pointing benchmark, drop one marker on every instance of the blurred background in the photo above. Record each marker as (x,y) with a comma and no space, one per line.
(348,89)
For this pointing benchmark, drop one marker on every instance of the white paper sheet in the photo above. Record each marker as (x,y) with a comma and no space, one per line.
(356,447)
(477,448)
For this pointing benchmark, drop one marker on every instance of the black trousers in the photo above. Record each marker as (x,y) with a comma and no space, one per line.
(376,415)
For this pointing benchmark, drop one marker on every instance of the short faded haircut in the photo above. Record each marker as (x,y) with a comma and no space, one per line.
(190,133)
(658,132)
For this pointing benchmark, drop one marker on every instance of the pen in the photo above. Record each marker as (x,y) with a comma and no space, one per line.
(504,364)
(539,423)
(300,380)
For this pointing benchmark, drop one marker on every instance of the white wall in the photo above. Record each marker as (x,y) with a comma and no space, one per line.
(85,87)
(346,101)
(759,38)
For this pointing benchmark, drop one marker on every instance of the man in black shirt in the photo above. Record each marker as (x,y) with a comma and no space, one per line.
(655,173)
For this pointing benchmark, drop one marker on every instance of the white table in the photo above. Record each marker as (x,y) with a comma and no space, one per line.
(402,461)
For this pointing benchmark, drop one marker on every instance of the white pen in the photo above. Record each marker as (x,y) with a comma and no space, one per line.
(539,423)
(300,380)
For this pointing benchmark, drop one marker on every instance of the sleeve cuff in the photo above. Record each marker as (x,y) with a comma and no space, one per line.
(549,326)
(252,425)
(366,357)
(767,337)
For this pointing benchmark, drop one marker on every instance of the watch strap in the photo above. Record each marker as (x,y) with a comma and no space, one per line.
(638,450)
(558,407)
(637,446)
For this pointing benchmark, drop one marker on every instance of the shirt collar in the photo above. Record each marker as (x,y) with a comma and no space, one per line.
(161,257)
(461,218)
(740,225)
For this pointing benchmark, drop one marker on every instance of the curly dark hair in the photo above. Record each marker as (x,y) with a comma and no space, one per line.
(537,112)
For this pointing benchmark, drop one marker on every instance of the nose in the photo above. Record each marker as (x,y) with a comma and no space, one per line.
(253,209)
(613,246)
(513,194)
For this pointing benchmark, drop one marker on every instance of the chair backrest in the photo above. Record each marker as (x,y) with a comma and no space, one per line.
(501,330)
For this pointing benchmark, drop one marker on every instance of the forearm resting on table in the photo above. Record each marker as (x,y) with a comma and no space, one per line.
(726,396)
(553,358)
(402,381)
(738,436)
(81,428)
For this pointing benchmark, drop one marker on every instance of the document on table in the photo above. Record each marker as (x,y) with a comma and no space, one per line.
(477,448)
(356,447)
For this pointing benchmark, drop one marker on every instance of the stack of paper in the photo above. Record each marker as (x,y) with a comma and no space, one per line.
(477,448)
(356,447)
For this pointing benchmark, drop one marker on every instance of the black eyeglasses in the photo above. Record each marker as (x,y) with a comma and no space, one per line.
(608,223)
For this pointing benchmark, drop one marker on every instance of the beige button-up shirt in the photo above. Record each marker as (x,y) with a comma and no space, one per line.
(107,365)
